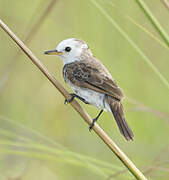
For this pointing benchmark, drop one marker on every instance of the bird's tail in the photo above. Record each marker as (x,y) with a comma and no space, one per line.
(117,111)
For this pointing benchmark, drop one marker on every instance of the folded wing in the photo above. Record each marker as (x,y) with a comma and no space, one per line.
(87,75)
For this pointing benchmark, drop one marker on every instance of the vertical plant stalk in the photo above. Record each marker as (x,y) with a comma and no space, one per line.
(33,31)
(154,21)
(106,139)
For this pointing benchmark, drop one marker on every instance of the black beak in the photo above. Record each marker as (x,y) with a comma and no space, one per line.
(51,52)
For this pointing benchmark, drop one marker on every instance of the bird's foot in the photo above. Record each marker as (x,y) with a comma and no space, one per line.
(94,120)
(75,96)
(67,101)
(92,124)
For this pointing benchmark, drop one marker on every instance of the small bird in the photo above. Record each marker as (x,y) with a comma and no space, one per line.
(91,81)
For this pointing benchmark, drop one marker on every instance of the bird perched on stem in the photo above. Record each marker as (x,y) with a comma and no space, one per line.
(91,81)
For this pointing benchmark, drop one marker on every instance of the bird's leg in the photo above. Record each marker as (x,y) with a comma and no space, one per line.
(75,96)
(94,120)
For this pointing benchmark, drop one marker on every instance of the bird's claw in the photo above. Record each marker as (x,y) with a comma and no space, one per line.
(67,101)
(92,124)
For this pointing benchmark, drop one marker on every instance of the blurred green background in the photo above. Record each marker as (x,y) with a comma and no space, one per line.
(40,137)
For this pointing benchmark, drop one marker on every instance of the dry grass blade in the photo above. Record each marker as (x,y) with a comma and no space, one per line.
(133,44)
(156,162)
(148,32)
(141,107)
(40,21)
(166,3)
(154,21)
(14,134)
(107,140)
(33,31)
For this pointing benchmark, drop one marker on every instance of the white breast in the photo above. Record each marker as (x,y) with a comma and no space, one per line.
(95,98)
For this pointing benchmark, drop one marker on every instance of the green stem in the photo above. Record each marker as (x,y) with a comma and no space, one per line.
(133,44)
(154,21)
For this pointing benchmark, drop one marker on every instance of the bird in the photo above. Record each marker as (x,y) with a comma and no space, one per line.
(91,82)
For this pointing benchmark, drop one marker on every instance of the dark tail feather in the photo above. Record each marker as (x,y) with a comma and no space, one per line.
(117,111)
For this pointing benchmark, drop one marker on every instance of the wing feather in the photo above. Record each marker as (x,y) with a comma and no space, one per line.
(87,75)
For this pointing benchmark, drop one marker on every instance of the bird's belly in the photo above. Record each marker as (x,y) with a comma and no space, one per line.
(92,97)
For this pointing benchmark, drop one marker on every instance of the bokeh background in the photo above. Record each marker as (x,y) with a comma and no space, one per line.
(40,137)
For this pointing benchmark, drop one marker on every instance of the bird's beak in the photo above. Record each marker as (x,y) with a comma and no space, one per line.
(53,52)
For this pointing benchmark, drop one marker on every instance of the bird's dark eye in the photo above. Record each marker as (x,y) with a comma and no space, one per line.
(67,49)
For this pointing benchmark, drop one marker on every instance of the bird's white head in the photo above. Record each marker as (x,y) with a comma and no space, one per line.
(71,50)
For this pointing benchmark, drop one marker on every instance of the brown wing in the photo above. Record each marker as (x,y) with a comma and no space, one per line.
(85,75)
